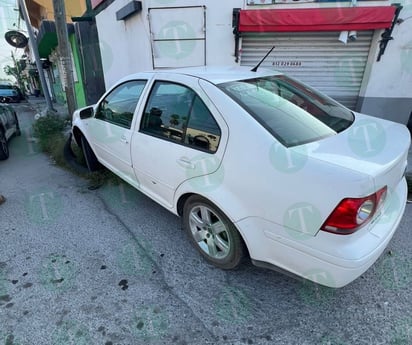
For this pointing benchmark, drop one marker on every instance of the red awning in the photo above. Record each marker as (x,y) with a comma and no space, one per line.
(316,19)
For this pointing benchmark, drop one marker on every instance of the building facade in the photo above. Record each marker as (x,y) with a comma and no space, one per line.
(83,40)
(358,52)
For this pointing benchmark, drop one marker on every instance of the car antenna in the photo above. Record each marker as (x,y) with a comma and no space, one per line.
(254,69)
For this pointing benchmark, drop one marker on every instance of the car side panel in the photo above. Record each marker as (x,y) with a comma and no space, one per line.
(269,181)
(161,165)
(8,121)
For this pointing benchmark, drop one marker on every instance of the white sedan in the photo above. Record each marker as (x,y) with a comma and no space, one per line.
(257,165)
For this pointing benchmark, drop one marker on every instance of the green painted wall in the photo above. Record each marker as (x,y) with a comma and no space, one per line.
(78,86)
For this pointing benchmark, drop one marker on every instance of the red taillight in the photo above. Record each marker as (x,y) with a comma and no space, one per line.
(353,213)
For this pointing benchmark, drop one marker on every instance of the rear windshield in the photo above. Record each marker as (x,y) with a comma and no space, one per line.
(293,112)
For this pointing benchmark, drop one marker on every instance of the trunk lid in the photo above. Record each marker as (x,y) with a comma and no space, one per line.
(372,146)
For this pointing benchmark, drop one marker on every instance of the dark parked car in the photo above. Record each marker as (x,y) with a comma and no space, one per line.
(9,126)
(11,93)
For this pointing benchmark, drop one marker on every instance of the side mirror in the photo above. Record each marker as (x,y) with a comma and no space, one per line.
(86,113)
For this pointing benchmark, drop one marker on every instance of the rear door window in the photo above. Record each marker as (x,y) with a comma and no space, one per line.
(174,112)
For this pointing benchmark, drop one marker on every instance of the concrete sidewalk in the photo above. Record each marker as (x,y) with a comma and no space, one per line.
(39,106)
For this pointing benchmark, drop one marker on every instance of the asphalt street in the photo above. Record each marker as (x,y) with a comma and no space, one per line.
(110,266)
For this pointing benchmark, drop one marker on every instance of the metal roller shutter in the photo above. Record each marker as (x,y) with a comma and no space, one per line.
(317,58)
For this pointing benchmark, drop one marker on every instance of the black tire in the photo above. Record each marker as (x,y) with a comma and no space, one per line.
(71,158)
(89,156)
(201,219)
(4,146)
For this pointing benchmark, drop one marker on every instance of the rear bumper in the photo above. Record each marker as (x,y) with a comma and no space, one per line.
(327,259)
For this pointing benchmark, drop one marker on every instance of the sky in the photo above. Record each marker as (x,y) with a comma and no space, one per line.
(9,20)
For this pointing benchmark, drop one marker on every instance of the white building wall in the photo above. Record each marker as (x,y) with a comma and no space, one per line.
(219,35)
(388,92)
(392,75)
(126,44)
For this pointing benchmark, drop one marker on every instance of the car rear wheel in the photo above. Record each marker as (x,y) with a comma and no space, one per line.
(4,146)
(212,233)
(89,156)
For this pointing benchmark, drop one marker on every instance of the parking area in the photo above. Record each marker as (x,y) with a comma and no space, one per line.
(109,266)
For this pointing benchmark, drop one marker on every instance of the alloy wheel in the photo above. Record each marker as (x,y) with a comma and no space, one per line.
(209,232)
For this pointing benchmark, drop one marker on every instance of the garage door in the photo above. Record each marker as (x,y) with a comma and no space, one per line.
(317,58)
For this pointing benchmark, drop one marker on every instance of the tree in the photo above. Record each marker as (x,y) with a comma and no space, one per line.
(16,72)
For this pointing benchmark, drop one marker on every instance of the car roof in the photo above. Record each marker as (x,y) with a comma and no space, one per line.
(217,74)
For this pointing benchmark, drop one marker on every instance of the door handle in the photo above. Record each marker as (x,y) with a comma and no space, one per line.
(185,163)
(123,139)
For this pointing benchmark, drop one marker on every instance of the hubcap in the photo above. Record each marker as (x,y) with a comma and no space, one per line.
(209,232)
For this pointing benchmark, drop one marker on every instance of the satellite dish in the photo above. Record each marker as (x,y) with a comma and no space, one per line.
(16,39)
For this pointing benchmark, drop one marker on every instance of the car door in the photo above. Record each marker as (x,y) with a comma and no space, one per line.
(3,117)
(109,131)
(8,120)
(181,136)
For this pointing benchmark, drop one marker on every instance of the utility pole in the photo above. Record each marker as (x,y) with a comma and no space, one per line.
(35,51)
(65,53)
